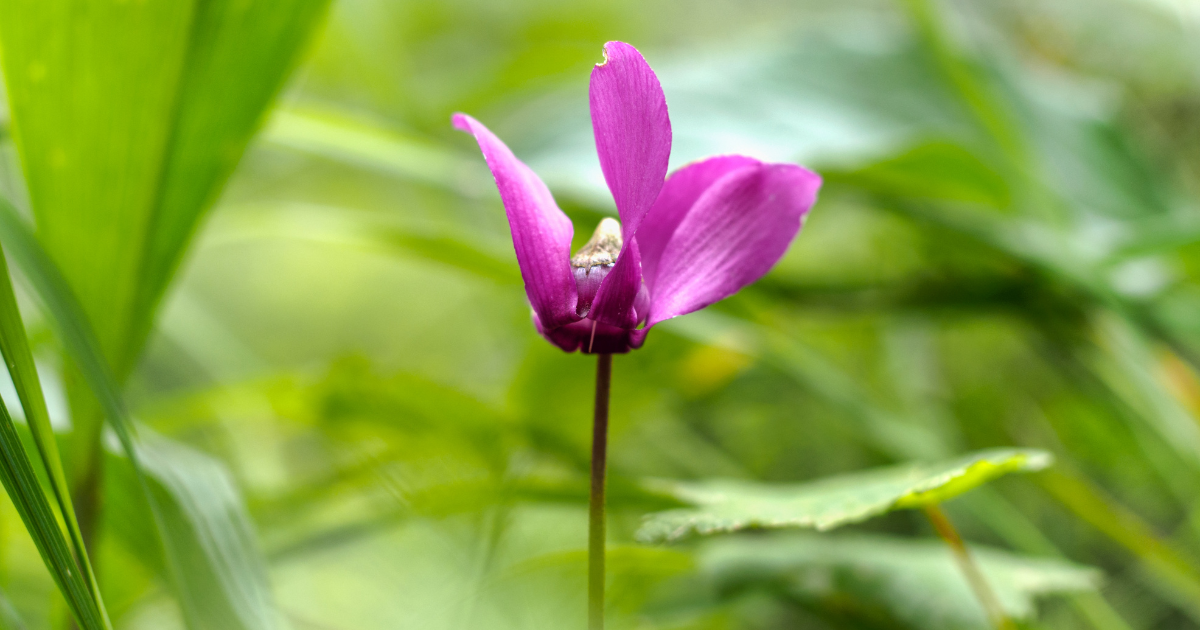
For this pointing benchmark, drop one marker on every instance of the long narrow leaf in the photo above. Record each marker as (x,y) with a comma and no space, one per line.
(22,485)
(15,347)
(238,55)
(185,527)
(81,343)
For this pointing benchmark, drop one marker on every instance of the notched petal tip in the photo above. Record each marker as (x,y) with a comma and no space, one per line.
(616,46)
(632,130)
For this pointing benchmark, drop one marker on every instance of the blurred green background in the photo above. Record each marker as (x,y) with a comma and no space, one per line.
(343,372)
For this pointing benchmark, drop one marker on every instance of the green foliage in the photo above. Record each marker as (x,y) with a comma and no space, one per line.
(191,506)
(128,118)
(824,504)
(225,584)
(879,581)
(54,546)
(342,371)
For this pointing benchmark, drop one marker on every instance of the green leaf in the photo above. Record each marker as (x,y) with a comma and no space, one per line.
(17,356)
(26,493)
(912,583)
(128,118)
(239,54)
(211,533)
(72,326)
(92,88)
(731,505)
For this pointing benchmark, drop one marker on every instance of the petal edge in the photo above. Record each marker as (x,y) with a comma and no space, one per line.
(541,233)
(680,192)
(736,231)
(632,131)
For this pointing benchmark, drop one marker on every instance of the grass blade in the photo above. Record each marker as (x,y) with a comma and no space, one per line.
(128,118)
(26,493)
(17,356)
(238,55)
(67,315)
(76,335)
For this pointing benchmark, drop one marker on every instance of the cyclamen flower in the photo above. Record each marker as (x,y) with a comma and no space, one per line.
(684,241)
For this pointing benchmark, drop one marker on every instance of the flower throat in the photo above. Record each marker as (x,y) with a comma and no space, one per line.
(594,260)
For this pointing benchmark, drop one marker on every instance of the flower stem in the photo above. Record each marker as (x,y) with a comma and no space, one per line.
(975,578)
(596,498)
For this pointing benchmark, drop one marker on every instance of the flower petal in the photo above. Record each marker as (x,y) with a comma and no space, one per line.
(616,300)
(678,195)
(589,336)
(736,231)
(541,233)
(632,129)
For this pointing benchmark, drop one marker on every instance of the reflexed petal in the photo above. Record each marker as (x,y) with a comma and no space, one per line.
(541,233)
(680,192)
(616,300)
(736,231)
(633,132)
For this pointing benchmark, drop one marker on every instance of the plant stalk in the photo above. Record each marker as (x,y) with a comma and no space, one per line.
(975,578)
(596,534)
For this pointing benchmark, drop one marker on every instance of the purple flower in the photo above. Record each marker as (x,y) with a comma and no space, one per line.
(684,241)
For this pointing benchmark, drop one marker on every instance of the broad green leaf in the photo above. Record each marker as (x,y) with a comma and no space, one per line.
(15,347)
(731,505)
(19,479)
(238,55)
(911,583)
(128,118)
(210,532)
(72,327)
(92,89)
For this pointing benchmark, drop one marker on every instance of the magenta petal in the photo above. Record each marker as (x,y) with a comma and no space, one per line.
(616,301)
(541,233)
(593,337)
(633,132)
(736,231)
(680,192)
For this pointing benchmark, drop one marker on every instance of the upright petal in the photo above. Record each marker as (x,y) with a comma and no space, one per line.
(633,132)
(541,233)
(736,231)
(678,195)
